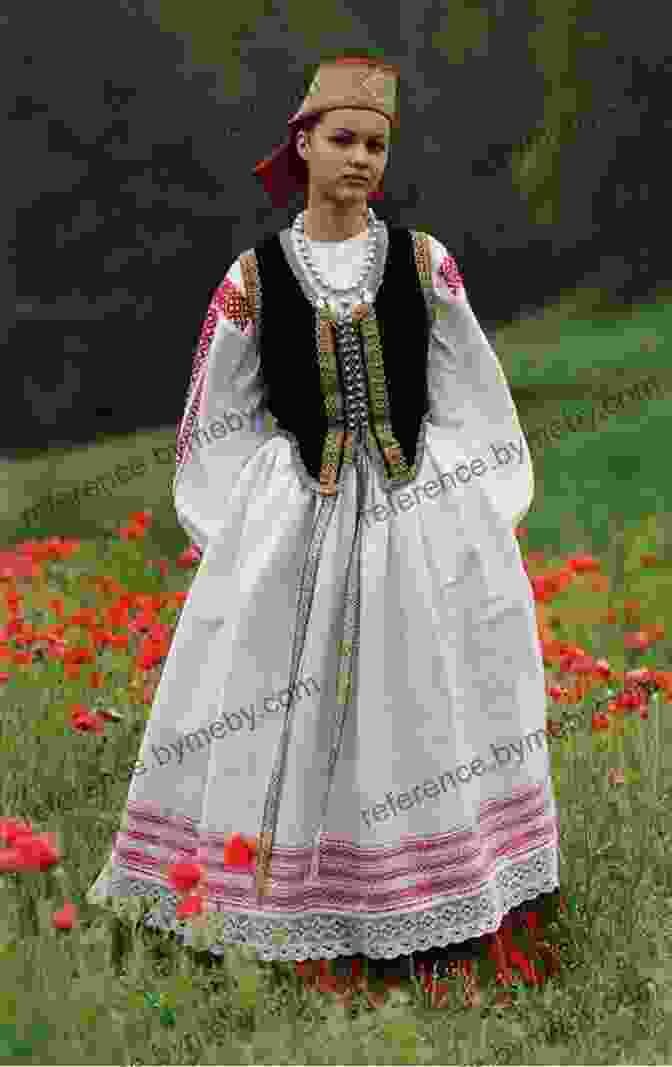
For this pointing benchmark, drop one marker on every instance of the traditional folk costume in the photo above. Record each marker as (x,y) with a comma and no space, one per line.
(352,467)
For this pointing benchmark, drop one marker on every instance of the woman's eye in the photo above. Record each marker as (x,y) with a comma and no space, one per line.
(346,140)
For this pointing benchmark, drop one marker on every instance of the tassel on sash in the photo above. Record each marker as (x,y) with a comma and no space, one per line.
(314,871)
(348,651)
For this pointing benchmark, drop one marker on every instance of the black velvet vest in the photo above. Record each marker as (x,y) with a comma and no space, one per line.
(288,348)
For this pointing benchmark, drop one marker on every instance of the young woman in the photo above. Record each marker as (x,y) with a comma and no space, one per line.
(351,465)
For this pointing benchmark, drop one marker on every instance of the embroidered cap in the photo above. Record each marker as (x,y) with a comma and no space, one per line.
(347,82)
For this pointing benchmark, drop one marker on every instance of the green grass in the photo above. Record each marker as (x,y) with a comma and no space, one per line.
(89,995)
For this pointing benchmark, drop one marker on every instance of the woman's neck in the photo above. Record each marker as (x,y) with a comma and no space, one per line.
(324,224)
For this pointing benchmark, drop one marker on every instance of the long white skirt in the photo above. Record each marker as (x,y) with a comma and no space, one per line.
(441,815)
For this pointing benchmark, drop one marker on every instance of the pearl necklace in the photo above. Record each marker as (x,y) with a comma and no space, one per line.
(330,295)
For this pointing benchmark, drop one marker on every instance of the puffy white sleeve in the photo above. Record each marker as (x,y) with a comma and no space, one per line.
(224,422)
(470,400)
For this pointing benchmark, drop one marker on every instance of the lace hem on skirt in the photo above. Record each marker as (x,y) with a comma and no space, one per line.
(274,936)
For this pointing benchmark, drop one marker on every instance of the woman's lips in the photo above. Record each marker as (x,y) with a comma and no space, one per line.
(355,178)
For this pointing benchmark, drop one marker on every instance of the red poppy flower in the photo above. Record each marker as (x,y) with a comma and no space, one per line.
(30,853)
(143,518)
(251,845)
(10,859)
(39,852)
(525,966)
(638,640)
(600,722)
(239,851)
(10,829)
(85,722)
(602,669)
(189,557)
(184,876)
(64,919)
(191,905)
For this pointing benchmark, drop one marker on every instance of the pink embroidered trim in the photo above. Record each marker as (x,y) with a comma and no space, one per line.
(404,874)
(448,272)
(189,422)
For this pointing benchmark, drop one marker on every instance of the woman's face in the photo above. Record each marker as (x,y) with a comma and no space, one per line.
(348,141)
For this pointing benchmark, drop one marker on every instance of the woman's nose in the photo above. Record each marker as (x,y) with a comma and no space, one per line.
(360,155)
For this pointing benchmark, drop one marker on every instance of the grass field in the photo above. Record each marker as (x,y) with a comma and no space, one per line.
(103,992)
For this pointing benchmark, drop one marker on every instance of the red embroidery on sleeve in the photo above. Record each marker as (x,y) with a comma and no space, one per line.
(229,301)
(450,275)
(233,305)
(190,420)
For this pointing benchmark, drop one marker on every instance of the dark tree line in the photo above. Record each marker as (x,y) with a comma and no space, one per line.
(531,144)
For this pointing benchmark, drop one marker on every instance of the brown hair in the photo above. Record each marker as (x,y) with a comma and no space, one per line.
(297,165)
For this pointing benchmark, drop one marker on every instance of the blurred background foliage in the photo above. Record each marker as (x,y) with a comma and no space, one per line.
(529,144)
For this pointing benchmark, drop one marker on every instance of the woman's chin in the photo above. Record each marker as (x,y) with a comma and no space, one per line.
(354,193)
